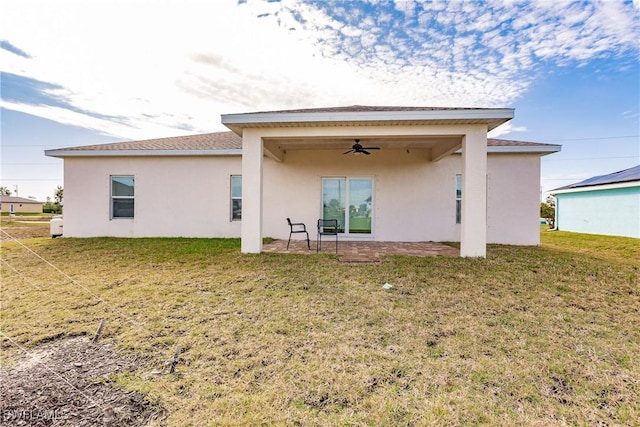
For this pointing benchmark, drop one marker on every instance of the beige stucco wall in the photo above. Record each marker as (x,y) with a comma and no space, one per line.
(411,195)
(22,207)
(513,199)
(414,199)
(179,196)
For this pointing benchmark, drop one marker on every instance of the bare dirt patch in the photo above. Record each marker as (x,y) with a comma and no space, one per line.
(70,382)
(23,230)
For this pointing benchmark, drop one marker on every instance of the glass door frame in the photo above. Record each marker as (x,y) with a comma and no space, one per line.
(347,199)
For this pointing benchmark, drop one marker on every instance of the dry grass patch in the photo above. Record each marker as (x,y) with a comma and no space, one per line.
(534,336)
(23,226)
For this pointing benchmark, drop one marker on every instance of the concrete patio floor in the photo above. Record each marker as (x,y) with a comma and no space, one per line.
(362,251)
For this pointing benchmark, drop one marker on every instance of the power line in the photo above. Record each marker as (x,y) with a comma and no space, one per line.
(31,179)
(591,139)
(562,179)
(596,158)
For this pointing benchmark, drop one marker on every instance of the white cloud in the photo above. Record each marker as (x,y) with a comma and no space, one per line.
(505,129)
(407,7)
(630,114)
(169,67)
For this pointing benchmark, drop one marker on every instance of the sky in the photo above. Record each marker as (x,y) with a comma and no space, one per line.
(86,72)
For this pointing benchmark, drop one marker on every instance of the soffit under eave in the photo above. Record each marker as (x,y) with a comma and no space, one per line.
(491,123)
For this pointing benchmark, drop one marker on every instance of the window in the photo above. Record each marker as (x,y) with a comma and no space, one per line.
(236,197)
(357,194)
(122,196)
(458,199)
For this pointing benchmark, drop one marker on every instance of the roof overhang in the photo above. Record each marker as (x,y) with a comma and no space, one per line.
(601,187)
(532,149)
(62,153)
(492,117)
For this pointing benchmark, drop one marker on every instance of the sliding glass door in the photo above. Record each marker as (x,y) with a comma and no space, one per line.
(360,198)
(350,201)
(334,194)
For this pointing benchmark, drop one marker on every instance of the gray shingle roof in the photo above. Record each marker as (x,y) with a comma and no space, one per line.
(226,141)
(207,141)
(360,108)
(14,199)
(493,142)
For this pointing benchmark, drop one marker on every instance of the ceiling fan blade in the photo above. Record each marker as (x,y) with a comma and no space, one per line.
(370,148)
(365,152)
(347,152)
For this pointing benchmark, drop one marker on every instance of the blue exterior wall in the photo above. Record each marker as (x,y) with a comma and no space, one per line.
(614,212)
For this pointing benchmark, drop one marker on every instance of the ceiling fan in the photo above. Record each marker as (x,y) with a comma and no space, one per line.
(359,149)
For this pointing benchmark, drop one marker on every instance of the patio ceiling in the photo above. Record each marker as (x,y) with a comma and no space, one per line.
(338,143)
(436,144)
(439,130)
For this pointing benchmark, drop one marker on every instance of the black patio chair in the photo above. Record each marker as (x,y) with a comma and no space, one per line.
(327,227)
(297,227)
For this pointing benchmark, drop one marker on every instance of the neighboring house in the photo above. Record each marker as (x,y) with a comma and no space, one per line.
(16,205)
(606,204)
(432,175)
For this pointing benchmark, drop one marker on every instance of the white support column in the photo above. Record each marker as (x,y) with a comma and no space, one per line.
(473,240)
(252,156)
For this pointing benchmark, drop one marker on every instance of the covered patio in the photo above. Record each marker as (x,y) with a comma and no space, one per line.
(363,251)
(431,134)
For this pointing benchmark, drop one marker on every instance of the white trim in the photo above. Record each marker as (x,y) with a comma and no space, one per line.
(112,198)
(457,199)
(231,198)
(238,152)
(524,149)
(597,187)
(366,116)
(348,178)
(236,122)
(520,149)
(139,153)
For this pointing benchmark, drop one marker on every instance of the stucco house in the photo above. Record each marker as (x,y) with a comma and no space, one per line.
(16,205)
(606,204)
(386,174)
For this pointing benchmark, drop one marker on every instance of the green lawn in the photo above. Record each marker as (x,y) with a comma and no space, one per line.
(527,336)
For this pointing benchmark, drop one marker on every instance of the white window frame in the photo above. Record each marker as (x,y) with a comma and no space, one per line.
(347,179)
(112,198)
(232,198)
(458,184)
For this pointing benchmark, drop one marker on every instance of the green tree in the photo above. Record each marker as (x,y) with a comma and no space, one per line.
(4,191)
(56,206)
(548,211)
(58,195)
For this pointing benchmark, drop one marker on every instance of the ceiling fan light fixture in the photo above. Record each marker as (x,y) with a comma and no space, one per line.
(359,149)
